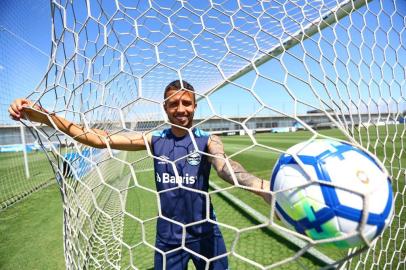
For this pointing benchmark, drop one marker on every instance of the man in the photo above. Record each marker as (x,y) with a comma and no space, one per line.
(177,163)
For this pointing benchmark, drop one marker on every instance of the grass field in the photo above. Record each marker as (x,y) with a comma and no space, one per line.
(14,184)
(31,231)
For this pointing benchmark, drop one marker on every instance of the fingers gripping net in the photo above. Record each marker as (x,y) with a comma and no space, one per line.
(317,63)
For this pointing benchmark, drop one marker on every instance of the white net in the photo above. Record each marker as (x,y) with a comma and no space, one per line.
(23,167)
(255,65)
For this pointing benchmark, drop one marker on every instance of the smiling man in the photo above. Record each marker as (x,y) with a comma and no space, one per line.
(177,163)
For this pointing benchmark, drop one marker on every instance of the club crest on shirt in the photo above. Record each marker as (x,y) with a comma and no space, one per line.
(194,159)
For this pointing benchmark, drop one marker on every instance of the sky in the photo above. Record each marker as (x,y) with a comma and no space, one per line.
(353,73)
(25,31)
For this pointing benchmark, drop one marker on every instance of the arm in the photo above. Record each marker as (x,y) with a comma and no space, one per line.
(25,109)
(226,168)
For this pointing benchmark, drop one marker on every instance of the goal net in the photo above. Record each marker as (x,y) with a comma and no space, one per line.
(326,68)
(24,167)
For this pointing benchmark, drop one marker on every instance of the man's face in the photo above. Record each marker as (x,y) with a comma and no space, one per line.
(180,107)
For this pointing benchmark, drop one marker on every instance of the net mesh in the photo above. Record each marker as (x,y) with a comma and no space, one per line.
(255,66)
(21,172)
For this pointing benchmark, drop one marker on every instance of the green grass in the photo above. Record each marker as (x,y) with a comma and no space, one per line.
(31,233)
(261,245)
(13,182)
(260,157)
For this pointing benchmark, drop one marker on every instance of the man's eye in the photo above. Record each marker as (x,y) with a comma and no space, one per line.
(187,103)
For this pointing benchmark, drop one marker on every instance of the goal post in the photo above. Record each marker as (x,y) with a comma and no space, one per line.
(302,69)
(24,168)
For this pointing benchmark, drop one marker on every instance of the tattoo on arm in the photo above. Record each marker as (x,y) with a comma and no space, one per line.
(216,147)
(242,176)
(225,171)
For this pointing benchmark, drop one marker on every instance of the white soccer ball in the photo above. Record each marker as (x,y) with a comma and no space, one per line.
(326,211)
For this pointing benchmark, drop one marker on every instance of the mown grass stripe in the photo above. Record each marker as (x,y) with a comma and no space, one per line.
(262,219)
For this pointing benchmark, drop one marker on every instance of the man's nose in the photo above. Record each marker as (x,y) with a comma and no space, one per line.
(181,107)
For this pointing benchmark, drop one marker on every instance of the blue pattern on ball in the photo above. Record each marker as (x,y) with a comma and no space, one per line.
(335,208)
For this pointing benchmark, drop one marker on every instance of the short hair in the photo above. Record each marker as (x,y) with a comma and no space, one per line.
(177,85)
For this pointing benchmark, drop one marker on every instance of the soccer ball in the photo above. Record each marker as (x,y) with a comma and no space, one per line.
(330,210)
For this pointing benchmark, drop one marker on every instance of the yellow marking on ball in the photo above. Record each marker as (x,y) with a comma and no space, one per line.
(362,176)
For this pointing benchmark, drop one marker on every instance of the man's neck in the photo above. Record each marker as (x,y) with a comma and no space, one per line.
(179,132)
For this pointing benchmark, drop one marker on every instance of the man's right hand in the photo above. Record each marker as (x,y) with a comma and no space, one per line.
(26,109)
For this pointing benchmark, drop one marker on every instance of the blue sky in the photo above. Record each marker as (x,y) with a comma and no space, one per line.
(374,77)
(22,66)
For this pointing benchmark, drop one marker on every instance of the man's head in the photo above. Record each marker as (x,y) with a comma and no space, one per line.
(180,103)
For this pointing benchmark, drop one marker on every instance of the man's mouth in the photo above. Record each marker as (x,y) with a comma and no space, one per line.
(181,118)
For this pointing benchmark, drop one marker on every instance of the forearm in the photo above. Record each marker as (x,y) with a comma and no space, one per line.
(241,176)
(99,138)
(92,137)
(232,171)
(26,109)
